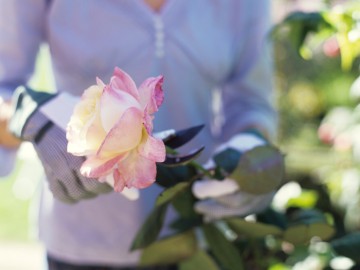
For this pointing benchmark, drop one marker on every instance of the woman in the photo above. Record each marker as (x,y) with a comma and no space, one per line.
(204,49)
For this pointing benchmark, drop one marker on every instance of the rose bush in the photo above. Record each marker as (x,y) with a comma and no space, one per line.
(112,125)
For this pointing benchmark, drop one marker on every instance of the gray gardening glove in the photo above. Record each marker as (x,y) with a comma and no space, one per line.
(227,200)
(50,144)
(221,199)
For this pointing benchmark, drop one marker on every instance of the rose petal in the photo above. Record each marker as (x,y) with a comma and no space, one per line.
(95,135)
(124,136)
(113,104)
(148,122)
(122,81)
(151,94)
(85,116)
(119,182)
(96,167)
(86,141)
(99,82)
(76,145)
(132,194)
(137,171)
(152,148)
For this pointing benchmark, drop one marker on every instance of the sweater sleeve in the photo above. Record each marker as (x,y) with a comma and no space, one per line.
(22,30)
(247,96)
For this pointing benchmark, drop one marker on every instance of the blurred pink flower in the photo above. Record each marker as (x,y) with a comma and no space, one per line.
(331,47)
(112,125)
(326,133)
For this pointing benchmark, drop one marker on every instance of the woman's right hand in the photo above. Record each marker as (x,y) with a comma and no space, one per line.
(7,140)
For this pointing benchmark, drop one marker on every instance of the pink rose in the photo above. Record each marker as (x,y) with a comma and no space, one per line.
(112,126)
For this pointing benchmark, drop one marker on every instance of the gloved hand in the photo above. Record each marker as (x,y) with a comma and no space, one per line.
(221,199)
(50,144)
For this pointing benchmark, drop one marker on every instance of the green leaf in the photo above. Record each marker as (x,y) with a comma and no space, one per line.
(170,176)
(260,170)
(169,194)
(299,216)
(302,234)
(252,229)
(184,224)
(227,159)
(151,228)
(227,254)
(348,50)
(307,199)
(344,22)
(199,261)
(306,224)
(299,25)
(272,217)
(169,250)
(348,246)
(184,203)
(279,266)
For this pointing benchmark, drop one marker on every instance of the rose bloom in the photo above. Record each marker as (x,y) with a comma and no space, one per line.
(112,126)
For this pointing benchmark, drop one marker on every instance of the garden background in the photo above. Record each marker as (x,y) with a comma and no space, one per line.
(319,134)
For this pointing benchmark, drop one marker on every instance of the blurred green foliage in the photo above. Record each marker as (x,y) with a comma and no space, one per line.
(14,212)
(317,58)
(18,215)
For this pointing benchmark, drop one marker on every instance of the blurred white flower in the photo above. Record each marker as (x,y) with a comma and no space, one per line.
(286,192)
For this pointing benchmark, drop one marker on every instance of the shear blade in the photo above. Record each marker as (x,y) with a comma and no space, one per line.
(181,137)
(174,160)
